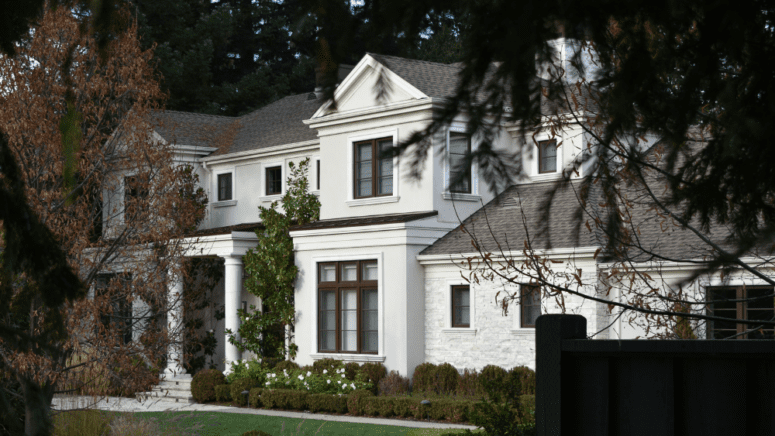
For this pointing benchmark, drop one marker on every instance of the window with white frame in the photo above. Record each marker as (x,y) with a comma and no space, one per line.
(461,306)
(225,187)
(547,156)
(459,148)
(530,305)
(273,180)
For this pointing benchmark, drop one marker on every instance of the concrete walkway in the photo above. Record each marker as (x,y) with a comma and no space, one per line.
(118,404)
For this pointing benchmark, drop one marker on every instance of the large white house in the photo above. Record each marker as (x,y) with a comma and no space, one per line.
(381,277)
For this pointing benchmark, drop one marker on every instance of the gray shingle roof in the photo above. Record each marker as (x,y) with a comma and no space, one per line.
(365,220)
(431,78)
(502,218)
(275,124)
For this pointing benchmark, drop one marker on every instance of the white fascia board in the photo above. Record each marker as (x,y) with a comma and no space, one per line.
(310,145)
(230,244)
(398,234)
(690,265)
(576,253)
(356,75)
(392,109)
(191,153)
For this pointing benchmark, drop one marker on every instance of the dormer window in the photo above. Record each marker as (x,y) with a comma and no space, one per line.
(373,174)
(459,174)
(547,156)
(224,187)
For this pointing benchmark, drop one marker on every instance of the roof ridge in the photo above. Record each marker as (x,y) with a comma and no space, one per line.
(416,60)
(196,114)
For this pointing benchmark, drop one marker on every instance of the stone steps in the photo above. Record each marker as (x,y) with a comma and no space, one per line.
(175,389)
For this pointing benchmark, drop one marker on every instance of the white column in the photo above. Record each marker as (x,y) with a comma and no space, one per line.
(174,323)
(233,300)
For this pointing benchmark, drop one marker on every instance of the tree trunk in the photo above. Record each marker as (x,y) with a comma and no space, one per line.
(37,408)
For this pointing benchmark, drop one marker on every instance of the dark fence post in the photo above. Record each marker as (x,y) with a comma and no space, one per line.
(550,332)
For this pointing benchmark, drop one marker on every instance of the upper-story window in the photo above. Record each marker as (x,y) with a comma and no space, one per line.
(317,174)
(373,174)
(547,156)
(459,174)
(135,198)
(274,180)
(224,187)
(530,305)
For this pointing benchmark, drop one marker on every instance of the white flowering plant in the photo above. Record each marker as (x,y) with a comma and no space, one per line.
(247,369)
(327,383)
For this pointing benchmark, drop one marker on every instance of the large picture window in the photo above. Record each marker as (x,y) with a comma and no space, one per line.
(373,175)
(530,305)
(347,307)
(754,303)
(459,174)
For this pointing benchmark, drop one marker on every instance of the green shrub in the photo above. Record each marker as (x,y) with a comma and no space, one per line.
(239,386)
(450,410)
(386,406)
(369,406)
(447,379)
(204,383)
(307,368)
(422,380)
(327,403)
(468,384)
(284,399)
(493,379)
(271,362)
(354,406)
(223,393)
(371,372)
(351,370)
(328,364)
(527,403)
(286,365)
(247,369)
(393,384)
(254,397)
(405,407)
(526,378)
(256,433)
(502,412)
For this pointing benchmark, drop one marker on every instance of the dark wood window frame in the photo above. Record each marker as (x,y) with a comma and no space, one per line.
(456,322)
(542,146)
(742,310)
(375,168)
(337,287)
(524,297)
(468,173)
(268,184)
(225,184)
(121,307)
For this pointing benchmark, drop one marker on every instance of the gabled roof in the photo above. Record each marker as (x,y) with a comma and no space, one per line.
(275,124)
(431,78)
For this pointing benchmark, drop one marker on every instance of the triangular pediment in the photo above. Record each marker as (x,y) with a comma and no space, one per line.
(360,90)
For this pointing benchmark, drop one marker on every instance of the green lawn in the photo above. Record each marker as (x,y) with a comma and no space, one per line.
(234,424)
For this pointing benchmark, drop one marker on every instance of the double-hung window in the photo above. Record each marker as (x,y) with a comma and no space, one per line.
(224,187)
(530,305)
(547,156)
(274,180)
(741,302)
(373,173)
(461,306)
(347,307)
(459,172)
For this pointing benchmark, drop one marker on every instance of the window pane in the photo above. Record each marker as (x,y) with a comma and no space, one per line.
(364,188)
(385,170)
(760,299)
(547,156)
(369,271)
(458,143)
(350,272)
(224,187)
(327,273)
(364,152)
(328,320)
(462,315)
(369,300)
(370,342)
(328,340)
(385,185)
(364,170)
(273,181)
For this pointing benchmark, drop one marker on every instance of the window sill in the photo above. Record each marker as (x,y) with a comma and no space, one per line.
(225,203)
(460,197)
(372,200)
(349,357)
(461,331)
(523,332)
(268,198)
(546,176)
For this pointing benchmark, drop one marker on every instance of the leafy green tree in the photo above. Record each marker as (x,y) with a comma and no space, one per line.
(270,270)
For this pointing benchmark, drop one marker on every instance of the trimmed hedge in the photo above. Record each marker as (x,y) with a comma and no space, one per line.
(371,372)
(422,380)
(241,385)
(204,383)
(284,399)
(354,403)
(223,393)
(254,397)
(526,378)
(286,365)
(327,403)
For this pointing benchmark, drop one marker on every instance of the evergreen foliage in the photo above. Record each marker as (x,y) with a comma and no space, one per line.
(270,270)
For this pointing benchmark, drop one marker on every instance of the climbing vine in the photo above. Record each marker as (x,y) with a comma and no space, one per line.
(271,272)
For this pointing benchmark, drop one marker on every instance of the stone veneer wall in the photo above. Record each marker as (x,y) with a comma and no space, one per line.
(495,339)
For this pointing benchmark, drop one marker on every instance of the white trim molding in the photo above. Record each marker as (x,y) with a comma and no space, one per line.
(448,329)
